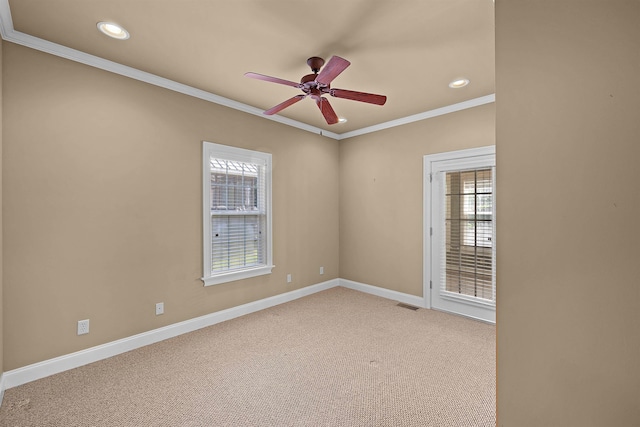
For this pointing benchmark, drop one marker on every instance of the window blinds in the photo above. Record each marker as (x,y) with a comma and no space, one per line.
(468,264)
(238,215)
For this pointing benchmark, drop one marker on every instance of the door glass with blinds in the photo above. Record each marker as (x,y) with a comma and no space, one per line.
(237,214)
(462,236)
(468,239)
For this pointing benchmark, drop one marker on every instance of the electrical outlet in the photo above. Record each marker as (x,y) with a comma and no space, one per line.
(288,278)
(321,270)
(159,308)
(83,327)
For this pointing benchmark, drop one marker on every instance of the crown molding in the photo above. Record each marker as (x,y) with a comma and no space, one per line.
(6,23)
(476,102)
(11,35)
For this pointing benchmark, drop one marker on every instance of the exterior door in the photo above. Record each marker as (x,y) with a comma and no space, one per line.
(460,233)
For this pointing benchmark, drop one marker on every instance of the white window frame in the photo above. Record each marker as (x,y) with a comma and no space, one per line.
(225,152)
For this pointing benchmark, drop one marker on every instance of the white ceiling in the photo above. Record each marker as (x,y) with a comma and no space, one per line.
(408,50)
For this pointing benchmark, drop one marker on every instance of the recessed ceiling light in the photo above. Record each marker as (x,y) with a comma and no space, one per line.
(113,30)
(458,83)
(342,120)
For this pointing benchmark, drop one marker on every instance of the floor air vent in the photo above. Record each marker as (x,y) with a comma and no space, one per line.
(410,307)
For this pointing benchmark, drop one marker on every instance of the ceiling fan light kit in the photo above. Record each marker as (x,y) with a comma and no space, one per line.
(318,84)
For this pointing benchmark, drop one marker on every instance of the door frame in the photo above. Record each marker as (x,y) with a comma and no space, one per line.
(427,177)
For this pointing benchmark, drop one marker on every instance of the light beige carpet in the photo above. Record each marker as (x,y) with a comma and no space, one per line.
(336,358)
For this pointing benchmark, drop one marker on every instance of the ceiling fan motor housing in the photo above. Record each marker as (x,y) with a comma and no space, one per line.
(311,87)
(308,79)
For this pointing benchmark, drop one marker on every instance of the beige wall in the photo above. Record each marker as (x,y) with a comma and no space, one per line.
(103,212)
(381,195)
(568,146)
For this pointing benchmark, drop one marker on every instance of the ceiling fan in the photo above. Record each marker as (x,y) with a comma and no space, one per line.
(318,84)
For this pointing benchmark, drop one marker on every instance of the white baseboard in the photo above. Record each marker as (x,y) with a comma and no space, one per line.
(2,387)
(383,292)
(56,365)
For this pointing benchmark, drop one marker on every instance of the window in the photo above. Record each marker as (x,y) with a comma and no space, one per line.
(236,213)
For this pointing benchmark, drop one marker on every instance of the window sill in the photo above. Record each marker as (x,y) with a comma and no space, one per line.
(237,275)
(479,302)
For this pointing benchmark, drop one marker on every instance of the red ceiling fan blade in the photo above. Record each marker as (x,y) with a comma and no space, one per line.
(327,111)
(334,67)
(371,98)
(272,79)
(284,104)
